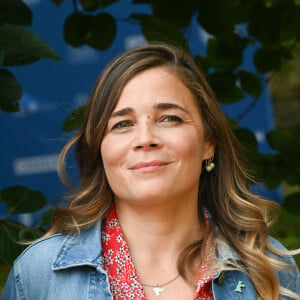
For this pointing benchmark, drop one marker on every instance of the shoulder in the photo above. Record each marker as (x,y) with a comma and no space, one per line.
(42,252)
(275,243)
(289,276)
(54,260)
(284,256)
(32,267)
(46,248)
(62,250)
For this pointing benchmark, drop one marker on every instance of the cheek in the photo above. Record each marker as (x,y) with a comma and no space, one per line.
(109,158)
(193,155)
(113,152)
(191,149)
(190,145)
(109,154)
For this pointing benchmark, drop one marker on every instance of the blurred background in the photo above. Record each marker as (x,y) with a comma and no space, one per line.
(51,53)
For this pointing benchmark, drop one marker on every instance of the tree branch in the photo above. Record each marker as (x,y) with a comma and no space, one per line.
(247,110)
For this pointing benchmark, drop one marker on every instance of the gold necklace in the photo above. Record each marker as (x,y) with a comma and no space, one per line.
(158,288)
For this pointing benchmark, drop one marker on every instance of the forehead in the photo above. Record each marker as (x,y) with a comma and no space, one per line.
(156,85)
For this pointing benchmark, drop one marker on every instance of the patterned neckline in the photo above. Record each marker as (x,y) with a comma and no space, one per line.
(122,275)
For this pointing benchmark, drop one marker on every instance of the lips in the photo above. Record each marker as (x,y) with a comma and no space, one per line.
(150,166)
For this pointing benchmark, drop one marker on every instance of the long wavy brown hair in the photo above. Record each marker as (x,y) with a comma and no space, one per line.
(242,218)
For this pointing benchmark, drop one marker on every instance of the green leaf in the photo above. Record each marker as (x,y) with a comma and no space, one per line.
(19,199)
(15,12)
(272,177)
(290,173)
(250,83)
(217,17)
(102,31)
(10,91)
(104,3)
(232,123)
(224,85)
(1,57)
(15,58)
(179,16)
(16,38)
(27,235)
(264,24)
(89,5)
(225,54)
(74,120)
(76,29)
(280,139)
(4,272)
(285,141)
(291,203)
(144,1)
(46,217)
(286,162)
(57,2)
(289,16)
(202,62)
(243,9)
(275,24)
(267,59)
(9,246)
(258,166)
(157,30)
(246,137)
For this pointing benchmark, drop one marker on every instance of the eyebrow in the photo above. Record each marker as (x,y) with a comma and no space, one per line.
(158,106)
(165,106)
(122,112)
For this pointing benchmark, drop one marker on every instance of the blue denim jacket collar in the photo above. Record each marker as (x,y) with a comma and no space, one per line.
(83,250)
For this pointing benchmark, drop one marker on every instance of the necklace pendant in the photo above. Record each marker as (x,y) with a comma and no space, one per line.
(158,290)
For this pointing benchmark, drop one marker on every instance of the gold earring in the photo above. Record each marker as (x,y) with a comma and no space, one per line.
(209,165)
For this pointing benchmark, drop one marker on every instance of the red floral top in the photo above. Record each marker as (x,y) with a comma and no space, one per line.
(122,275)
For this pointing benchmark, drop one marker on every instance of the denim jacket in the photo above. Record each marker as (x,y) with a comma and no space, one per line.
(64,267)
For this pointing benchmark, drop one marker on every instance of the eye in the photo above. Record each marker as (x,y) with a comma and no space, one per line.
(123,124)
(171,119)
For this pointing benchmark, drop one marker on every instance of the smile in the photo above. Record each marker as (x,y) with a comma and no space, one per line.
(147,167)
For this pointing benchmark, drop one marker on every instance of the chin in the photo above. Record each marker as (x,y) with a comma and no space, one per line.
(151,199)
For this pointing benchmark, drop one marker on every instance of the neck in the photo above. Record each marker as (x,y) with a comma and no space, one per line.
(156,235)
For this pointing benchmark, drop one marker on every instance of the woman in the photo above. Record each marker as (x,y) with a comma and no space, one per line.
(162,210)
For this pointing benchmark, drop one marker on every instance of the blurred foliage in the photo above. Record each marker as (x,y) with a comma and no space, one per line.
(233,25)
(19,200)
(18,46)
(5,268)
(287,229)
(272,26)
(285,90)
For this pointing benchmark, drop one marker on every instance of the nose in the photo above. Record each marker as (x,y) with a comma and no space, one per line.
(145,138)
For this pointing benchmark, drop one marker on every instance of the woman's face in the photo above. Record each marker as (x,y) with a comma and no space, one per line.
(154,144)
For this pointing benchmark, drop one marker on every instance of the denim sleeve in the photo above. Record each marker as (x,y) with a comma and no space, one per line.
(298,284)
(10,289)
(289,278)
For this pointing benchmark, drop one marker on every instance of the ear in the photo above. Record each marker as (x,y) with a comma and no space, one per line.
(208,150)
